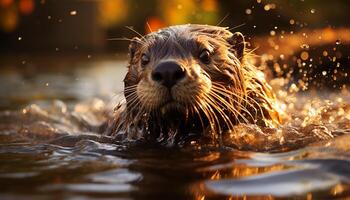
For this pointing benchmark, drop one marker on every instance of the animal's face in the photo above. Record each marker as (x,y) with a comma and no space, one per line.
(184,68)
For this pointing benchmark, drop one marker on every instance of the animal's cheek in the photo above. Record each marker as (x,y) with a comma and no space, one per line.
(184,92)
(150,94)
(192,90)
(145,89)
(134,71)
(194,71)
(199,78)
(145,73)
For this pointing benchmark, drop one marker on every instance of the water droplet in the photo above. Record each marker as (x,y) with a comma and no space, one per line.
(293,88)
(304,55)
(73,12)
(267,7)
(248,11)
(305,46)
(272,33)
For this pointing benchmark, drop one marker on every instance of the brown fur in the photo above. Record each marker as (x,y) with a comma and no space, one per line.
(213,97)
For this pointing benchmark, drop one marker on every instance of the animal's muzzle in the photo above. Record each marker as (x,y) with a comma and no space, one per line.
(168,73)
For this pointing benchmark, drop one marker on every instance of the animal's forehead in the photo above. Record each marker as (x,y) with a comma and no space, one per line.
(170,38)
(171,45)
(187,37)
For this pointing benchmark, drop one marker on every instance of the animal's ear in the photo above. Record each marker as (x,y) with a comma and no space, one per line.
(133,46)
(237,43)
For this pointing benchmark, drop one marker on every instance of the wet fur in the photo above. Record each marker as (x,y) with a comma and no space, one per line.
(212,98)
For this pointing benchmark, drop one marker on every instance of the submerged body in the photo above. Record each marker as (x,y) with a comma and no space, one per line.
(191,79)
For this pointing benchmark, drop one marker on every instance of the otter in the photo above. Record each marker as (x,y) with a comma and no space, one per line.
(191,80)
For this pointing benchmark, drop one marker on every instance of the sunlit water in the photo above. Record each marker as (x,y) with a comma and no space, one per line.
(50,145)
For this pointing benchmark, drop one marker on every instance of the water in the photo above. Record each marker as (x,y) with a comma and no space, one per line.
(50,147)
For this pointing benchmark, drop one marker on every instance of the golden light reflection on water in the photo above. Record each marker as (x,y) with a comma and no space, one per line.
(307,118)
(238,171)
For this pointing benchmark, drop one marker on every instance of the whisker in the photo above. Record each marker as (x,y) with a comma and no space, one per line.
(230,107)
(196,103)
(149,27)
(223,19)
(231,93)
(133,30)
(235,101)
(225,117)
(235,27)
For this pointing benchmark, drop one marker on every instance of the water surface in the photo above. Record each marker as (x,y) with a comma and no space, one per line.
(48,148)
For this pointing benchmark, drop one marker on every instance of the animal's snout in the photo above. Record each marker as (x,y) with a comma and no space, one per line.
(168,73)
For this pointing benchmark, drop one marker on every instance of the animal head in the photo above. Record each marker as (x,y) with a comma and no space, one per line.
(186,68)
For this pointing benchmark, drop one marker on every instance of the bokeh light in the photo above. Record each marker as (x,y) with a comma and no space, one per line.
(26,6)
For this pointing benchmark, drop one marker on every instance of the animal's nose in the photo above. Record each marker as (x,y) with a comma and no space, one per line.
(168,73)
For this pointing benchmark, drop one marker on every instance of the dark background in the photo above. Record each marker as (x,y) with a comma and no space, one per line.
(30,26)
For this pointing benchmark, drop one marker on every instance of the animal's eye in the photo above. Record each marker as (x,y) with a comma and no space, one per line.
(204,56)
(144,59)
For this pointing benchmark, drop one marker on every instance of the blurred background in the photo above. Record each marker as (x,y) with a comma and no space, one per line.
(86,25)
(71,49)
